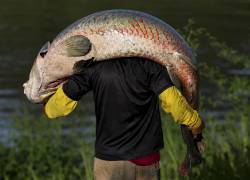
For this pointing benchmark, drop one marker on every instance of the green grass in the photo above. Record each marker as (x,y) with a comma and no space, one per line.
(43,149)
(60,150)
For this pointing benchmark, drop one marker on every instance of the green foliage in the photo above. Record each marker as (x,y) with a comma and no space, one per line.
(45,149)
(227,153)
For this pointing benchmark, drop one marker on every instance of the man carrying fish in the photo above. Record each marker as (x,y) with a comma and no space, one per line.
(126,85)
(128,126)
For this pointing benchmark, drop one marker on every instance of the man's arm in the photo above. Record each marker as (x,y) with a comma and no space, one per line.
(59,104)
(173,102)
(64,101)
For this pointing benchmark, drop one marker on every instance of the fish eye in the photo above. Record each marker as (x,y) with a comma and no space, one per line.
(42,54)
(44,49)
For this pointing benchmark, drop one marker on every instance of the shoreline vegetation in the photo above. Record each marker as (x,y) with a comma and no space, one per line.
(62,149)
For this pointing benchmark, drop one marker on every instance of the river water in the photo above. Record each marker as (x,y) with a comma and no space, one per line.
(26,25)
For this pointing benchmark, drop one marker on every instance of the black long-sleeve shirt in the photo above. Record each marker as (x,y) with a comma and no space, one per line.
(126,105)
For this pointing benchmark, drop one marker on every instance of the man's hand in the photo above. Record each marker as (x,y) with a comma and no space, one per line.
(198,130)
(197,134)
(201,146)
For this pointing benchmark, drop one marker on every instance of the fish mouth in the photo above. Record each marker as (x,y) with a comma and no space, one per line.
(56,83)
(51,87)
(42,93)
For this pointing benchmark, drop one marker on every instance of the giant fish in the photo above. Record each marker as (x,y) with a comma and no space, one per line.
(112,34)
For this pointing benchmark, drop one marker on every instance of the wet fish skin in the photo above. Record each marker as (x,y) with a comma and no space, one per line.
(113,34)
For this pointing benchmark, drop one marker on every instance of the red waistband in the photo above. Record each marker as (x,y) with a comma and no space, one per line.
(146,160)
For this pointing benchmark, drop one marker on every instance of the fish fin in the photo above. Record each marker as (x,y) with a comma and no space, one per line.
(80,66)
(174,78)
(76,46)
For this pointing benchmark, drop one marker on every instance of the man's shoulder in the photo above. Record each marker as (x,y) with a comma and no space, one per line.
(153,66)
(125,63)
(142,62)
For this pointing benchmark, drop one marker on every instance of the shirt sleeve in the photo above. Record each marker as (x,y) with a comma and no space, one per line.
(77,86)
(64,101)
(173,102)
(158,77)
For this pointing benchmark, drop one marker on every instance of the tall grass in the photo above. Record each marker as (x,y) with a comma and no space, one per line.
(63,150)
(42,149)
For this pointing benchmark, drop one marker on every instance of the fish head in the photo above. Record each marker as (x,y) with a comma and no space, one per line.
(54,64)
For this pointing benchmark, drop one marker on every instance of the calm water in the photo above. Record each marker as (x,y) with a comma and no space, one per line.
(26,24)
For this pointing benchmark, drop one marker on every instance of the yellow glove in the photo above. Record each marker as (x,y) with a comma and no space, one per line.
(59,104)
(173,102)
